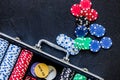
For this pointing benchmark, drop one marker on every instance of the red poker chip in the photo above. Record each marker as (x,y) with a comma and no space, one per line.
(91,14)
(21,66)
(29,78)
(76,10)
(85,4)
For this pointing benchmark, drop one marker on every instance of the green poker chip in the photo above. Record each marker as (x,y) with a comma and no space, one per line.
(79,42)
(79,77)
(82,43)
(87,43)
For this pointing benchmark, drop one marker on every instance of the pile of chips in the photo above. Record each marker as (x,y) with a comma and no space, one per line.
(84,15)
(83,9)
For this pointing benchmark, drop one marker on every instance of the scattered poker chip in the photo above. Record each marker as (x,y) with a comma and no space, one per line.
(72,51)
(91,14)
(3,47)
(95,46)
(99,31)
(52,73)
(82,21)
(93,28)
(79,43)
(79,77)
(87,42)
(83,43)
(67,43)
(60,39)
(32,68)
(30,78)
(81,31)
(85,4)
(41,70)
(21,65)
(106,42)
(76,10)
(8,62)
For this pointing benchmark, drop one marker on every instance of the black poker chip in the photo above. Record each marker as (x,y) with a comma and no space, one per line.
(67,74)
(82,21)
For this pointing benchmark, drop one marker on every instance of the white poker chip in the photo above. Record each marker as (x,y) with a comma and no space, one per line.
(60,39)
(67,43)
(52,73)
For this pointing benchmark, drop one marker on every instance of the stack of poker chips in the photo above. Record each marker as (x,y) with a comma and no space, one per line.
(67,74)
(85,15)
(14,61)
(21,65)
(8,61)
(3,47)
(43,71)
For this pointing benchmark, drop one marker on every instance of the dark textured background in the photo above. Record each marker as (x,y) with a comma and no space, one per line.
(32,20)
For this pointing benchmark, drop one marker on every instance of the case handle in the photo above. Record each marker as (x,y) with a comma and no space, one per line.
(38,45)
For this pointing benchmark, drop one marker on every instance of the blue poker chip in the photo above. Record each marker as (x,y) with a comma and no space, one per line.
(93,28)
(33,67)
(95,46)
(106,42)
(99,31)
(81,31)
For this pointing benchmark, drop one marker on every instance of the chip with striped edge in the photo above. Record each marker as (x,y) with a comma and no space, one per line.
(106,42)
(21,65)
(95,46)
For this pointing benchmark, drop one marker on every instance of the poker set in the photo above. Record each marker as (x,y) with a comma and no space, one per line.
(20,61)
